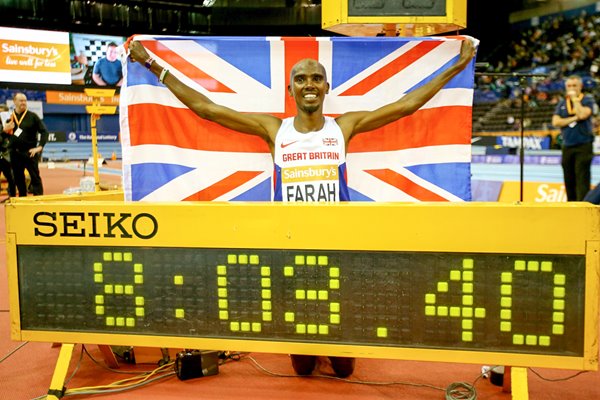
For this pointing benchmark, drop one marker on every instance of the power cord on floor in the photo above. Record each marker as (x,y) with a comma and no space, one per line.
(103,366)
(140,378)
(360,382)
(464,390)
(454,391)
(10,353)
(460,391)
(556,379)
(227,356)
(77,366)
(123,385)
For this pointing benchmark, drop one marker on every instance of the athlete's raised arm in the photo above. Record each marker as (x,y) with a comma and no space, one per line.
(263,125)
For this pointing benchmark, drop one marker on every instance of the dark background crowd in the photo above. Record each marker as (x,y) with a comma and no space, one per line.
(559,46)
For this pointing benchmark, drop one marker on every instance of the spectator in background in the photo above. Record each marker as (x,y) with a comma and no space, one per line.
(108,70)
(5,167)
(573,115)
(22,129)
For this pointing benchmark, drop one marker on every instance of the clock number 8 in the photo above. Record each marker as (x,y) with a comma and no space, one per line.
(119,292)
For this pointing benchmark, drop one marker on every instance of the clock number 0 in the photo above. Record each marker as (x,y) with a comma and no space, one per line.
(301,294)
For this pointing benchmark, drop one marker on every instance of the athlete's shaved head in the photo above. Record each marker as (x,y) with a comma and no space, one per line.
(303,64)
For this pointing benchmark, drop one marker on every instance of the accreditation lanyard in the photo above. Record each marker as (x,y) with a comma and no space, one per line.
(18,121)
(570,104)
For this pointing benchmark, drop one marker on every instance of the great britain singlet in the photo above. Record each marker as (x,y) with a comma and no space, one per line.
(311,166)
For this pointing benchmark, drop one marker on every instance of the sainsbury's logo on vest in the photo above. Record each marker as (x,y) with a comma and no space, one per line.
(309,173)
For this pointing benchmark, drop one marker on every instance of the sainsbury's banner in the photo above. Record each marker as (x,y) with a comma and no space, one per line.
(34,56)
(537,192)
(170,154)
(77,98)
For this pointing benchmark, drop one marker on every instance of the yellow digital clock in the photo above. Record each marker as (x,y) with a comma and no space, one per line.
(486,282)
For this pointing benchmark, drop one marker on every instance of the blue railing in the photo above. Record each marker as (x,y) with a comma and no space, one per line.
(66,151)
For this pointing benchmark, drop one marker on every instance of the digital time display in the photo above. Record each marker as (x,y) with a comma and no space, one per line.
(488,283)
(520,303)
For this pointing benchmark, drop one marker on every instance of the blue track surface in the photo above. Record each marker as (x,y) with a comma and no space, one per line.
(64,151)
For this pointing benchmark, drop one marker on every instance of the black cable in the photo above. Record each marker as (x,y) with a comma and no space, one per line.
(13,351)
(464,390)
(226,356)
(122,389)
(101,365)
(143,378)
(76,366)
(556,379)
(335,378)
(460,391)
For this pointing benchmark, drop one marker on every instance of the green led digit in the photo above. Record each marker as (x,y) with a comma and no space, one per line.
(222,292)
(122,295)
(466,310)
(311,295)
(558,302)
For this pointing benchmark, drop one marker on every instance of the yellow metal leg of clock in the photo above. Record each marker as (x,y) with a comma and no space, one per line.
(518,377)
(56,390)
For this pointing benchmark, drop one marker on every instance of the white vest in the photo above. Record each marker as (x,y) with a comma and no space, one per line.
(310,166)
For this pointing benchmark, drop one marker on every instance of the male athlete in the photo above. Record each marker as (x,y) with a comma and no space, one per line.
(309,150)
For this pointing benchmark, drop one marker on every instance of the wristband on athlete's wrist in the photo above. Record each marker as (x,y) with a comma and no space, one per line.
(148,62)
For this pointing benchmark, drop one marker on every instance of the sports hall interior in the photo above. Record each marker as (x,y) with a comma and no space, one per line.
(545,39)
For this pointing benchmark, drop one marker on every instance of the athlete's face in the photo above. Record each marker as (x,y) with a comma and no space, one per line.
(308,85)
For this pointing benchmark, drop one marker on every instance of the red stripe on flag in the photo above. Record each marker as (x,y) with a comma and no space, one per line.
(185,67)
(429,127)
(406,185)
(223,186)
(391,69)
(296,49)
(158,124)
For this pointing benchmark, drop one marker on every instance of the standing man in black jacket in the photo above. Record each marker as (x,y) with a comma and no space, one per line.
(5,167)
(25,147)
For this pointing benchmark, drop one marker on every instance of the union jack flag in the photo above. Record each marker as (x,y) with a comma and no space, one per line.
(330,142)
(170,154)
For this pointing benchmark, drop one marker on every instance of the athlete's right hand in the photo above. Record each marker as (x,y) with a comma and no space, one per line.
(137,52)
